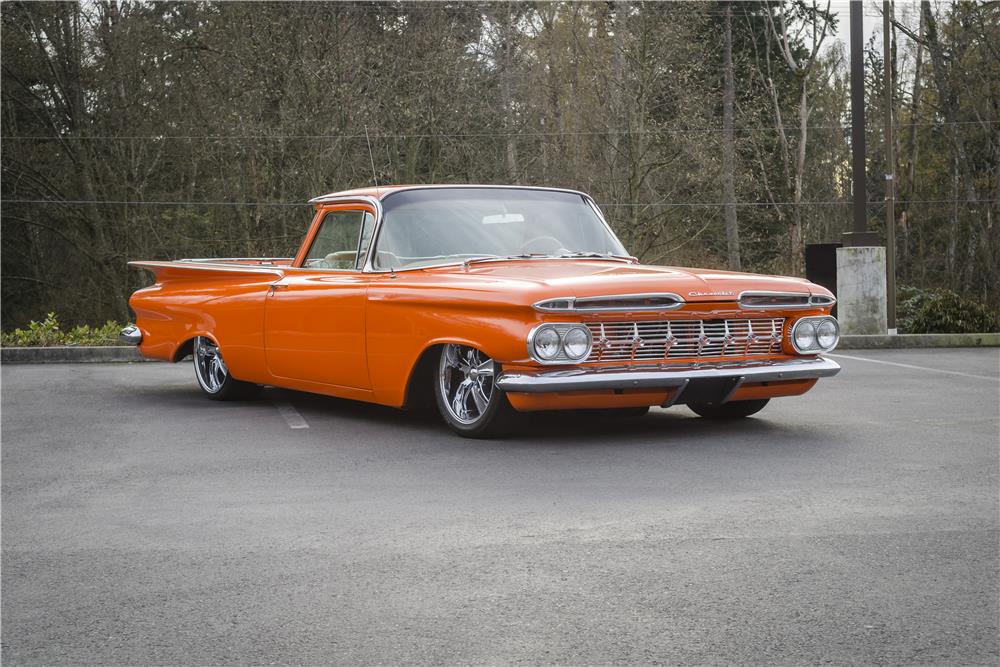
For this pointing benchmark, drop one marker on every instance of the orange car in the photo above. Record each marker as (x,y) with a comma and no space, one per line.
(484,300)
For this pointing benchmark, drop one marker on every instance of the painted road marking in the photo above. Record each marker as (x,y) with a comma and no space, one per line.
(291,415)
(919,368)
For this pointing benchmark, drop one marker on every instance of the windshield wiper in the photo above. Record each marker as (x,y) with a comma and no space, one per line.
(493,258)
(595,255)
(543,255)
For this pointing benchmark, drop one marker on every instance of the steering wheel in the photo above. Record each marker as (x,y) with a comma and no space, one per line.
(543,244)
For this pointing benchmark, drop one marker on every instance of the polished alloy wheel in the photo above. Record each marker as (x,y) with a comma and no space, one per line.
(209,366)
(466,383)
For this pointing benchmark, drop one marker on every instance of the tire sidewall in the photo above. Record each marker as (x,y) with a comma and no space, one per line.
(729,410)
(492,422)
(231,389)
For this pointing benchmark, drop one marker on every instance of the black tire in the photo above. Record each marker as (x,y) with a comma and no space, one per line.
(213,376)
(730,410)
(487,414)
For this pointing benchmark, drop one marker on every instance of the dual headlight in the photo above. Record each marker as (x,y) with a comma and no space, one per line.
(812,335)
(557,342)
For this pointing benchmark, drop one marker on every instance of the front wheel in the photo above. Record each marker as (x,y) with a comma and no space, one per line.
(214,377)
(728,410)
(469,401)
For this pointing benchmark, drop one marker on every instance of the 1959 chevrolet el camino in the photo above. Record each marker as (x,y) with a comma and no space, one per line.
(486,300)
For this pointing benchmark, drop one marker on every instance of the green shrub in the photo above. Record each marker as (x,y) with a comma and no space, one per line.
(47,333)
(942,311)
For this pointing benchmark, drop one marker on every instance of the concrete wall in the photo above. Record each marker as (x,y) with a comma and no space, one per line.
(861,290)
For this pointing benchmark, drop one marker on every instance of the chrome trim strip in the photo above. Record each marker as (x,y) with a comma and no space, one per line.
(662,377)
(578,304)
(474,186)
(130,335)
(375,203)
(393,189)
(204,260)
(607,225)
(812,300)
(275,270)
(767,293)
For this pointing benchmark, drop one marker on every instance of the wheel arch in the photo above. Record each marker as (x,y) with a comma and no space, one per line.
(423,370)
(186,348)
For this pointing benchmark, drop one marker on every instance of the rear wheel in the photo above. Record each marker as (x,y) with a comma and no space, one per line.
(729,410)
(469,401)
(214,377)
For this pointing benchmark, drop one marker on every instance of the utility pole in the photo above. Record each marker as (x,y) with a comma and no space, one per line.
(890,173)
(861,265)
(859,235)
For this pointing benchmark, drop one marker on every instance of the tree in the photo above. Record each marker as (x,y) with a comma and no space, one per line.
(728,150)
(817,22)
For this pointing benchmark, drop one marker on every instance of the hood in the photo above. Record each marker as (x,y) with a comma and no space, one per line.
(583,278)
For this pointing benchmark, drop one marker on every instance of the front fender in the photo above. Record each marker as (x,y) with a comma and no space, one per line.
(398,335)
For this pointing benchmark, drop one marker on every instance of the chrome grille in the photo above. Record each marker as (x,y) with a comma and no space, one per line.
(682,339)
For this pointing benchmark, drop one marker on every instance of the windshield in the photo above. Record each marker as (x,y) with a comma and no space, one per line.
(438,225)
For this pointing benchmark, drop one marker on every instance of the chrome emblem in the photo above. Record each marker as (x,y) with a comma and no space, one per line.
(636,341)
(711,293)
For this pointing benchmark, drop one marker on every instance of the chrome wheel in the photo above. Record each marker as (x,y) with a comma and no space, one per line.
(465,380)
(208,365)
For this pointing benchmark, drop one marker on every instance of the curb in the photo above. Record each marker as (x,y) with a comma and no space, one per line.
(905,341)
(70,355)
(125,353)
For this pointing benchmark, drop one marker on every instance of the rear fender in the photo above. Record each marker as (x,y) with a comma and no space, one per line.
(223,303)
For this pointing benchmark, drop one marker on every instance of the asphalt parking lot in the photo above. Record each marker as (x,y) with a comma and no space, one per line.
(143,524)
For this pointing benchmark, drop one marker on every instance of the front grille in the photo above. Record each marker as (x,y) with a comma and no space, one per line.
(684,339)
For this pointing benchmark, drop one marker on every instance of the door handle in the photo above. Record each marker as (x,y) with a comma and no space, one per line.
(274,287)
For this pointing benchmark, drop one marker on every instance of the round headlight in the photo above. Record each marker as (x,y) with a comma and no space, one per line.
(827,334)
(547,343)
(576,343)
(804,336)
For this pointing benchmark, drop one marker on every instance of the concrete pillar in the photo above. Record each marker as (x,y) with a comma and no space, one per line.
(861,295)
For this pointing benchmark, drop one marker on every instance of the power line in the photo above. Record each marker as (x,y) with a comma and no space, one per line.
(832,202)
(94,202)
(531,133)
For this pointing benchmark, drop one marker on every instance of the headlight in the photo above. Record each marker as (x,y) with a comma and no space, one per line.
(559,343)
(547,344)
(812,335)
(576,342)
(804,336)
(827,334)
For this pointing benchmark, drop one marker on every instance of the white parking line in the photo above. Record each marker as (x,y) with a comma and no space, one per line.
(919,368)
(291,415)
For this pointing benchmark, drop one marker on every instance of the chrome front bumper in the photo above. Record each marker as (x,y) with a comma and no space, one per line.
(667,376)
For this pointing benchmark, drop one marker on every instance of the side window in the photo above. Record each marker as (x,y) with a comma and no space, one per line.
(367,227)
(340,237)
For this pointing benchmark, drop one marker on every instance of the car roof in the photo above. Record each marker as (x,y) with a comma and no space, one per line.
(382,191)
